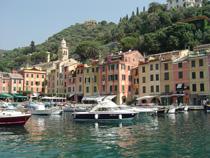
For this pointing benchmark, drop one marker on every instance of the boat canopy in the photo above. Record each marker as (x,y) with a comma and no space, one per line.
(146,97)
(52,98)
(92,98)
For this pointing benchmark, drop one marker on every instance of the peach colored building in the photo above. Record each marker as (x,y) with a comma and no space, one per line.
(34,80)
(115,75)
(16,83)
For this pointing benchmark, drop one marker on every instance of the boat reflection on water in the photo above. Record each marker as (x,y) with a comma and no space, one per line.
(13,130)
(36,128)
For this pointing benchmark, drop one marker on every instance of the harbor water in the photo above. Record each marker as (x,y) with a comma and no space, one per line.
(169,136)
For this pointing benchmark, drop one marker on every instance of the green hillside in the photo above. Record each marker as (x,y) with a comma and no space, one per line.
(153,31)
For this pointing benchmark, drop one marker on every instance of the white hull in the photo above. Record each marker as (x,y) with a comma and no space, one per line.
(47,112)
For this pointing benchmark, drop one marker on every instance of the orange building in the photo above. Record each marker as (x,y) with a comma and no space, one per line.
(34,80)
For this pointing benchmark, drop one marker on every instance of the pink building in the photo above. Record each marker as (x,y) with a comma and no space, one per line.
(115,76)
(181,80)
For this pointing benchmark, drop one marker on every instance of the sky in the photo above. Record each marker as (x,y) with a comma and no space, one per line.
(22,21)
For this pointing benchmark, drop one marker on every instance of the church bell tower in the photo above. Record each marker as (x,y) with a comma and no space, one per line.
(63,53)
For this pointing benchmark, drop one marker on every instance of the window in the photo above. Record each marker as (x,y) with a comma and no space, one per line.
(179,65)
(157,89)
(123,88)
(200,62)
(14,80)
(32,75)
(167,88)
(37,76)
(151,67)
(103,68)
(80,79)
(143,69)
(202,87)
(80,88)
(42,76)
(103,87)
(93,70)
(95,89)
(152,89)
(27,83)
(115,88)
(193,75)
(123,66)
(166,66)
(3,81)
(194,87)
(87,89)
(26,75)
(19,81)
(201,74)
(129,88)
(123,77)
(156,66)
(103,78)
(151,78)
(143,79)
(116,77)
(144,89)
(32,83)
(157,77)
(110,88)
(130,78)
(180,75)
(96,69)
(129,67)
(166,76)
(95,79)
(14,88)
(193,63)
(87,70)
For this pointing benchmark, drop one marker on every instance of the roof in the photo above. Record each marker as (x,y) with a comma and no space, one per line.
(15,76)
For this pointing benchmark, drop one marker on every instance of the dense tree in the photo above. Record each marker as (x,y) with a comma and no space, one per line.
(87,50)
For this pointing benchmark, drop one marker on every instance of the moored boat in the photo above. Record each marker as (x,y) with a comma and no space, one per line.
(105,110)
(12,117)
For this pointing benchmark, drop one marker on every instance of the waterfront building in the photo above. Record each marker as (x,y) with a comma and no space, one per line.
(183,3)
(149,77)
(34,80)
(115,75)
(199,77)
(11,82)
(135,82)
(79,81)
(181,80)
(16,83)
(58,70)
(91,79)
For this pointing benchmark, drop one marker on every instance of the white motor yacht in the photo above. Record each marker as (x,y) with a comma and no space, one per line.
(105,110)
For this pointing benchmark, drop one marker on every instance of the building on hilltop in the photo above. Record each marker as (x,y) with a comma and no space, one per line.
(183,3)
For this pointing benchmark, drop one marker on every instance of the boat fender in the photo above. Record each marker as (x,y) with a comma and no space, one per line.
(96,116)
(120,117)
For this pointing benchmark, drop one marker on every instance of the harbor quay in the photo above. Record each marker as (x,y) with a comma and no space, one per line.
(179,77)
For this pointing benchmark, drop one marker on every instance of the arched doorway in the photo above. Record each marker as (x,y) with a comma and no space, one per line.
(123,99)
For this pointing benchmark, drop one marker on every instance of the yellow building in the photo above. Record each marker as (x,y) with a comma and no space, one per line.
(199,77)
(91,79)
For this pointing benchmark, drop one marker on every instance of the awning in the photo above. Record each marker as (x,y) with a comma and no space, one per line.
(5,96)
(19,96)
